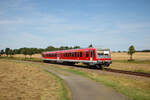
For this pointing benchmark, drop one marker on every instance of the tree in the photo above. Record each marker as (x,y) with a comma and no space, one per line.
(30,52)
(24,51)
(2,52)
(50,48)
(11,52)
(131,51)
(76,47)
(7,50)
(16,51)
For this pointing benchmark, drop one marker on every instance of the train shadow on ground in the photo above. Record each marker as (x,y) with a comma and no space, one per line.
(79,66)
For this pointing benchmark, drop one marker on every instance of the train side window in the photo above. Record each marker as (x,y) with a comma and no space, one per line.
(68,54)
(91,53)
(78,54)
(75,54)
(72,54)
(87,53)
(81,54)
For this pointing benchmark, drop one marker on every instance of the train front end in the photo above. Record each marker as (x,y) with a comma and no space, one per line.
(103,57)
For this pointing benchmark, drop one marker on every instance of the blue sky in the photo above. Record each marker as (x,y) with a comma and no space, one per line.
(114,24)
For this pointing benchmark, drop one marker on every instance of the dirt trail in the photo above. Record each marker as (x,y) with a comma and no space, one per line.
(85,89)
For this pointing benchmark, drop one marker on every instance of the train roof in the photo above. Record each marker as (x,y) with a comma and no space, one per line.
(75,50)
(67,50)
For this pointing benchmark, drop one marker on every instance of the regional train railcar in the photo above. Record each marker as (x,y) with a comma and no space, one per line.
(89,56)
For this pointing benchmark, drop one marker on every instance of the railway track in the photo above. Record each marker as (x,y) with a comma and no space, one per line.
(128,72)
(116,71)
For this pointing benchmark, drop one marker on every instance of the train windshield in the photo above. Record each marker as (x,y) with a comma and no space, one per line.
(100,55)
(103,54)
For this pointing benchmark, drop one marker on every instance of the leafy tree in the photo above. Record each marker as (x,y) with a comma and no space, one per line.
(30,52)
(131,51)
(2,52)
(50,48)
(76,47)
(16,51)
(7,50)
(40,50)
(61,48)
(11,52)
(24,51)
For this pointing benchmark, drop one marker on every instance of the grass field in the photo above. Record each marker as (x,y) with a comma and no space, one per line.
(140,64)
(26,81)
(137,56)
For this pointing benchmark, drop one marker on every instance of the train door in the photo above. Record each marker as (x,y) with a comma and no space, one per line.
(58,56)
(91,55)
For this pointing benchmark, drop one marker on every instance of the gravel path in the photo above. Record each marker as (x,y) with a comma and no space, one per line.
(85,89)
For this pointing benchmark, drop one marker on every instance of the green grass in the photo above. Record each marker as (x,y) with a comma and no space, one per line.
(63,91)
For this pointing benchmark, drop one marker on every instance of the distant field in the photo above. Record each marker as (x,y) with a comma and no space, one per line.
(34,56)
(141,63)
(136,56)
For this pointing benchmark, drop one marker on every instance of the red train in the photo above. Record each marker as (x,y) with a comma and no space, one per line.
(89,56)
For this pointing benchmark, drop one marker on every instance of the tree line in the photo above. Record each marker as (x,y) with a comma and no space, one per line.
(30,51)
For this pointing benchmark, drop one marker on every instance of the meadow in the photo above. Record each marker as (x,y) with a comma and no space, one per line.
(25,81)
(141,62)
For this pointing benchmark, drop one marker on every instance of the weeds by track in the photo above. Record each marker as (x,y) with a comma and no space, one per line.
(128,72)
(110,70)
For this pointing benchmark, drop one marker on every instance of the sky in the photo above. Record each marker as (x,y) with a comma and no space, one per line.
(114,24)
